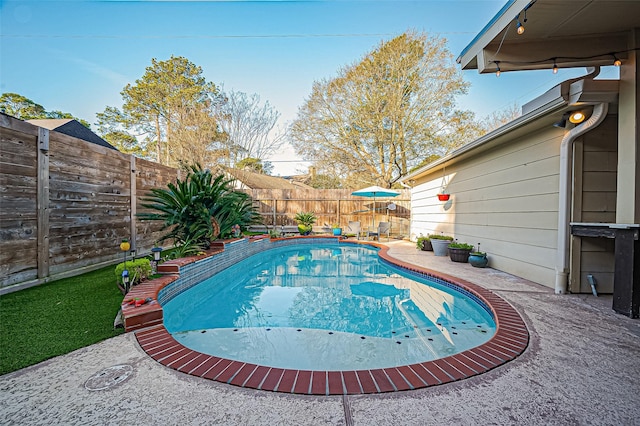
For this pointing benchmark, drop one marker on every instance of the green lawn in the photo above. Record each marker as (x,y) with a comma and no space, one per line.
(56,318)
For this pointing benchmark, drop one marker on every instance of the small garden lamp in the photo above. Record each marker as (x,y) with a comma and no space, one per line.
(125,281)
(125,246)
(156,258)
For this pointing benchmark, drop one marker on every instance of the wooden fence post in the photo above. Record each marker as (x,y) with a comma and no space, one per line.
(42,202)
(275,212)
(133,204)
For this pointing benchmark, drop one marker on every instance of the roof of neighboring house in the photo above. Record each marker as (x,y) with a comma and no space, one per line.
(71,127)
(253,180)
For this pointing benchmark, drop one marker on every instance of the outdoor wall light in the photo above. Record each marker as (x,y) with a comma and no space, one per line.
(577,117)
(574,117)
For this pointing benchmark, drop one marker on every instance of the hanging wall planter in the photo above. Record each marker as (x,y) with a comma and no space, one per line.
(443,195)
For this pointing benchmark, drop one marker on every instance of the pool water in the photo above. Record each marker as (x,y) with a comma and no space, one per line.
(325,307)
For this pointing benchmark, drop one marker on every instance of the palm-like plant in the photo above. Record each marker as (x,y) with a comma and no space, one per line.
(199,208)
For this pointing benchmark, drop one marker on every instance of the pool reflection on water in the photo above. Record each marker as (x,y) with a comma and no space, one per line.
(327,307)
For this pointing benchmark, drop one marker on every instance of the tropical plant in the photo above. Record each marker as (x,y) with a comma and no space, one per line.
(199,208)
(305,222)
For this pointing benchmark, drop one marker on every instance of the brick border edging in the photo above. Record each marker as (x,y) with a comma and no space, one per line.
(509,341)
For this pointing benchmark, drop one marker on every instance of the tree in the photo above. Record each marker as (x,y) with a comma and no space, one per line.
(255,165)
(500,118)
(21,107)
(25,109)
(380,117)
(111,124)
(249,127)
(172,100)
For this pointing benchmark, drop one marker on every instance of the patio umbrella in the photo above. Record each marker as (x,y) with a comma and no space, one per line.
(373,192)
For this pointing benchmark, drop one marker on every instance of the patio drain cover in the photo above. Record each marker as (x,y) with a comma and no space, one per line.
(109,377)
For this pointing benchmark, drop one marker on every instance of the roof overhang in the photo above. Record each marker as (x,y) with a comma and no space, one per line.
(541,112)
(577,33)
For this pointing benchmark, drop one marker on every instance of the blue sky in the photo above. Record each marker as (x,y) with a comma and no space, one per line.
(76,56)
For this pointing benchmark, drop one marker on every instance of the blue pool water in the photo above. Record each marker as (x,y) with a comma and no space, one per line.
(325,307)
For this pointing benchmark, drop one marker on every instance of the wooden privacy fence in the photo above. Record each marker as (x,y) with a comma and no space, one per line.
(278,207)
(66,204)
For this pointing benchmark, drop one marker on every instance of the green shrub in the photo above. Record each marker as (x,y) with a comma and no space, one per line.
(440,237)
(139,269)
(463,246)
(421,241)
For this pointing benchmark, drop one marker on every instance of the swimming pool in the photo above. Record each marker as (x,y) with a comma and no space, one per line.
(325,307)
(509,341)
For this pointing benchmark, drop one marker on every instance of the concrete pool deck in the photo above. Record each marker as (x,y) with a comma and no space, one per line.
(582,366)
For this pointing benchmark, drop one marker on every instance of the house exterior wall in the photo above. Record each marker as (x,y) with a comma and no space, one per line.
(505,198)
(596,164)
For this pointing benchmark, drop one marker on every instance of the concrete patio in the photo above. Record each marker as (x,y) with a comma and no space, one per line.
(582,367)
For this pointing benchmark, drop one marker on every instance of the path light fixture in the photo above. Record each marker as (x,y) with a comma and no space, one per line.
(156,258)
(125,246)
(125,281)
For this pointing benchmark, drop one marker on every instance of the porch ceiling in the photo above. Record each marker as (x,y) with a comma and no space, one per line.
(576,33)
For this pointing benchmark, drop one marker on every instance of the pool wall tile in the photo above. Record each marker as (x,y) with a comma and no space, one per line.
(511,337)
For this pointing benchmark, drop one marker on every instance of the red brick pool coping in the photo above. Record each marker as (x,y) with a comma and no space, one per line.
(510,340)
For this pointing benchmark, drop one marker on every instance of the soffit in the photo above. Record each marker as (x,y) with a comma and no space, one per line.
(577,33)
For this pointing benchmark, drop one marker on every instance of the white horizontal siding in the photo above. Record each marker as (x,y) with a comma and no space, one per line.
(506,199)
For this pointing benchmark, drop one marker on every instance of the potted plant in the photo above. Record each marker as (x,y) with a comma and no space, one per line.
(459,252)
(440,244)
(337,231)
(478,258)
(424,243)
(305,222)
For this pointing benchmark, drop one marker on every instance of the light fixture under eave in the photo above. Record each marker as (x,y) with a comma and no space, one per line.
(555,67)
(519,27)
(577,117)
(497,68)
(617,62)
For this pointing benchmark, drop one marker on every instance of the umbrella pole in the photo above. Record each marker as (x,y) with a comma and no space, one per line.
(373,218)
